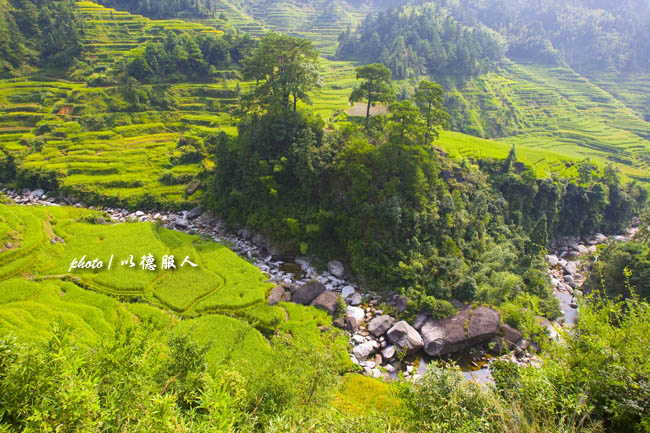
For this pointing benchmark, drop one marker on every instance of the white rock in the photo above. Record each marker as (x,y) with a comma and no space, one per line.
(355,312)
(363,350)
(347,291)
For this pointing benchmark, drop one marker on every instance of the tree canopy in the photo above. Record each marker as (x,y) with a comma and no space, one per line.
(375,86)
(286,69)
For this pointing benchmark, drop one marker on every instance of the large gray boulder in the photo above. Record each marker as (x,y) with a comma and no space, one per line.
(380,324)
(463,330)
(326,301)
(306,293)
(404,336)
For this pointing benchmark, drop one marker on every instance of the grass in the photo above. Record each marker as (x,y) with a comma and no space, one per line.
(360,395)
(220,303)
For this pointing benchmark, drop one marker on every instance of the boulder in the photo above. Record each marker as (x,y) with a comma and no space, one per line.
(347,291)
(571,268)
(420,319)
(510,334)
(552,260)
(336,268)
(404,336)
(307,293)
(355,312)
(353,317)
(276,295)
(380,324)
(401,303)
(326,301)
(194,212)
(286,297)
(354,299)
(388,352)
(363,350)
(465,329)
(339,322)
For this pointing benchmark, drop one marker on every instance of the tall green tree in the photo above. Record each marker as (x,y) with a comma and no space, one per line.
(285,68)
(375,86)
(429,100)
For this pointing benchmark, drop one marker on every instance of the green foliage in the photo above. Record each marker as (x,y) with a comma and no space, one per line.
(375,87)
(285,68)
(599,374)
(38,33)
(622,269)
(419,41)
(187,57)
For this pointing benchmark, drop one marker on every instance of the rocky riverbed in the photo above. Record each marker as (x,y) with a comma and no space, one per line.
(380,344)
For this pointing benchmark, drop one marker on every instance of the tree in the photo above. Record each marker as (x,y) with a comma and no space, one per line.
(285,67)
(511,159)
(428,98)
(375,87)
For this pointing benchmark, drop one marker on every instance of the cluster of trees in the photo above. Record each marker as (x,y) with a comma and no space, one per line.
(585,34)
(623,268)
(593,201)
(38,33)
(187,57)
(374,193)
(424,40)
(158,9)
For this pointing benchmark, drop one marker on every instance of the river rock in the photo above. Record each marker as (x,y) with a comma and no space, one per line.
(306,293)
(510,334)
(404,335)
(419,321)
(355,313)
(347,291)
(401,303)
(388,352)
(552,260)
(380,324)
(326,301)
(363,350)
(276,295)
(571,268)
(465,329)
(336,268)
(194,212)
(354,299)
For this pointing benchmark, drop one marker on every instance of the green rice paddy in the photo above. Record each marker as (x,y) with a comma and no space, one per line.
(220,302)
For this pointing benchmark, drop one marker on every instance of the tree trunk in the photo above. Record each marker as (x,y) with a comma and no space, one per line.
(368,110)
(426,134)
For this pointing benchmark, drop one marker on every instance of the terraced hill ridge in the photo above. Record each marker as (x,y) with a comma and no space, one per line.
(554,112)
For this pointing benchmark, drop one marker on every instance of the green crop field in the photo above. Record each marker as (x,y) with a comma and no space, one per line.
(222,301)
(552,115)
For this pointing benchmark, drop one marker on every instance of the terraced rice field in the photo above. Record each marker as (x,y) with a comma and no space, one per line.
(221,302)
(89,142)
(557,114)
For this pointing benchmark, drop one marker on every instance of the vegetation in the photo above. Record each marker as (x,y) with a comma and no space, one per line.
(417,41)
(111,108)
